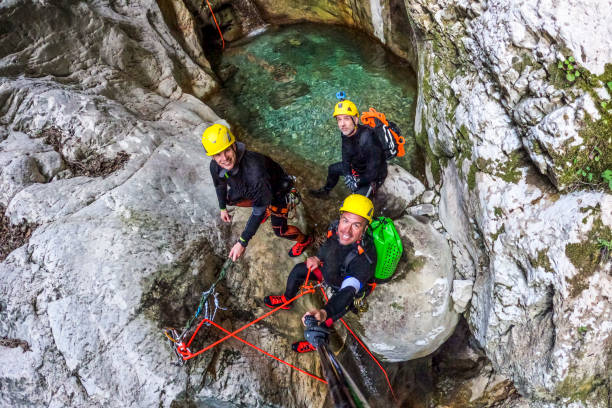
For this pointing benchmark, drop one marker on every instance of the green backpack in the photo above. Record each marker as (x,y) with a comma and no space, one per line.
(388,247)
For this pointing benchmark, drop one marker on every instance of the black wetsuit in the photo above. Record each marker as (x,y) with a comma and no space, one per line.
(333,255)
(362,156)
(255,181)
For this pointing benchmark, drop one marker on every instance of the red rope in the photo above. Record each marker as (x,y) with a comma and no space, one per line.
(188,355)
(268,354)
(217,24)
(367,350)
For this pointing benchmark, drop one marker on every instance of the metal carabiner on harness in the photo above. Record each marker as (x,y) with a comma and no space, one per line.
(361,303)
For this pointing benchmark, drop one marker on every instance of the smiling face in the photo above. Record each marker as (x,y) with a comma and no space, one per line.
(350,228)
(346,124)
(227,158)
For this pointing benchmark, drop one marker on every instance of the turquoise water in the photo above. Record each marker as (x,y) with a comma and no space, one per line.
(283,84)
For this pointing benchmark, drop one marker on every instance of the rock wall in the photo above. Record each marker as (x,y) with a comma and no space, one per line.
(520,228)
(507,125)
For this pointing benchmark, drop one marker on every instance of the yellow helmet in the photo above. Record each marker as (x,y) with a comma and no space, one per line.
(346,107)
(217,138)
(360,205)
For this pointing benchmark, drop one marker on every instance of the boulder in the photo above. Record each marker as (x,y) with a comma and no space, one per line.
(412,315)
(397,192)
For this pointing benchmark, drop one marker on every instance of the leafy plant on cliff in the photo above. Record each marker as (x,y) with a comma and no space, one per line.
(571,70)
(606,248)
(606,176)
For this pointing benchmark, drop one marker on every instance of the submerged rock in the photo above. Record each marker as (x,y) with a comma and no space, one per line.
(285,94)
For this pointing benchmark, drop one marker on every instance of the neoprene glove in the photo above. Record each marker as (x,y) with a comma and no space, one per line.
(351,182)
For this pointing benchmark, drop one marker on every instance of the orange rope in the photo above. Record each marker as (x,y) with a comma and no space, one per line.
(268,354)
(217,24)
(366,349)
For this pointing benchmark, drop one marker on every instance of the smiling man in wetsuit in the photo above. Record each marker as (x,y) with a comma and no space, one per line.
(249,179)
(344,262)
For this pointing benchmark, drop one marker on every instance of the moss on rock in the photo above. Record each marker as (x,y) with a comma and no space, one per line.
(581,166)
(587,390)
(586,255)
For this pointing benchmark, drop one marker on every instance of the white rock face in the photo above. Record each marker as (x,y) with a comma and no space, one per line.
(412,315)
(116,256)
(399,190)
(488,103)
(461,294)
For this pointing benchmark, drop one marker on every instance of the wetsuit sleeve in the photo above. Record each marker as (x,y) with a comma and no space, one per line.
(220,185)
(360,272)
(346,164)
(262,193)
(374,156)
(340,303)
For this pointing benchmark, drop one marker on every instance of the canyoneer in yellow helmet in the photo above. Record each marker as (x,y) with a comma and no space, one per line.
(345,262)
(248,179)
(363,162)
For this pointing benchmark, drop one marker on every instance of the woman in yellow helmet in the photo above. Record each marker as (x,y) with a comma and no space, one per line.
(345,262)
(249,179)
(363,162)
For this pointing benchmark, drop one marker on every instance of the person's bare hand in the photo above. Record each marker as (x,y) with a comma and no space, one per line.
(236,251)
(225,216)
(319,314)
(313,262)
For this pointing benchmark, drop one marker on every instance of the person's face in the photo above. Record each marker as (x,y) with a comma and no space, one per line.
(350,228)
(227,158)
(346,124)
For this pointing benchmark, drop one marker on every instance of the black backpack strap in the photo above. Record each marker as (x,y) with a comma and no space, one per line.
(351,256)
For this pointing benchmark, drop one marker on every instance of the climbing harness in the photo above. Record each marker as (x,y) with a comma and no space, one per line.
(361,303)
(293,199)
(215,19)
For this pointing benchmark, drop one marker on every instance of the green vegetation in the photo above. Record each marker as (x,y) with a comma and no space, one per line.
(603,244)
(542,261)
(471,178)
(587,255)
(606,176)
(423,142)
(605,247)
(588,165)
(582,330)
(500,231)
(589,389)
(571,70)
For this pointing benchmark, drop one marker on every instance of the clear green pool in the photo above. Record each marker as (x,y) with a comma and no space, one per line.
(282,87)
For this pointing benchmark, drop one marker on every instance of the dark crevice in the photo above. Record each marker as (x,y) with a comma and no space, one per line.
(13,236)
(90,163)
